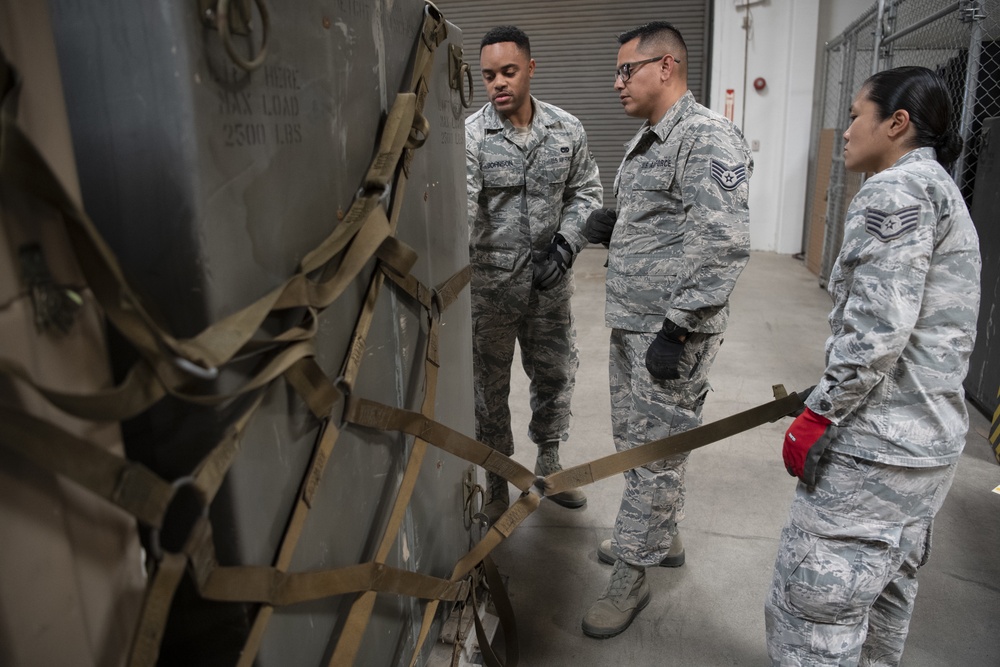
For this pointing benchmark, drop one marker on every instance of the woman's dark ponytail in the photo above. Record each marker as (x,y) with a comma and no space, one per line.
(924,96)
(949,147)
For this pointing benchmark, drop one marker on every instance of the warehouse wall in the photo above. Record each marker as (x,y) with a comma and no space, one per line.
(780,47)
(785,41)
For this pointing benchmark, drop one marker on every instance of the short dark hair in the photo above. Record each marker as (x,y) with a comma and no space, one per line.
(507,33)
(658,33)
(924,96)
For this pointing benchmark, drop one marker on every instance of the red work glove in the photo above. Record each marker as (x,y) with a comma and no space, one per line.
(805,441)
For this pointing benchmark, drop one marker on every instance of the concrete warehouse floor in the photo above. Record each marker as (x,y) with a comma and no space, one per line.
(710,611)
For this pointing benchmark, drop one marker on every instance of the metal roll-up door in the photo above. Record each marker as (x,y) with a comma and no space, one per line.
(575,47)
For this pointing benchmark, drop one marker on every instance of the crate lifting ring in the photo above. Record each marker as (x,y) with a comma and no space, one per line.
(222,23)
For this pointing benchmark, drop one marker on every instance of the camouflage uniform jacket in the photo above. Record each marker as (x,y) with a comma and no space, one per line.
(523,190)
(683,231)
(906,296)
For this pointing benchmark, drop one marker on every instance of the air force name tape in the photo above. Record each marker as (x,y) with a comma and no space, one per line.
(728,177)
(888,226)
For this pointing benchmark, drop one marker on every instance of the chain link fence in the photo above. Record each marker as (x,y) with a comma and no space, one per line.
(958,40)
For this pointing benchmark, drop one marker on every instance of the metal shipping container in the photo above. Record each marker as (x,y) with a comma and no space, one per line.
(210,184)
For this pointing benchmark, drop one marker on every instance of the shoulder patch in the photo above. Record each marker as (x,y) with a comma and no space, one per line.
(728,178)
(890,226)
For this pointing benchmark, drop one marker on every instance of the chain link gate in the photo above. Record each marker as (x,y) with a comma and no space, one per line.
(957,40)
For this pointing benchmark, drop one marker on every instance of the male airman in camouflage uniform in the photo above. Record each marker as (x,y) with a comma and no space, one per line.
(889,410)
(677,243)
(532,182)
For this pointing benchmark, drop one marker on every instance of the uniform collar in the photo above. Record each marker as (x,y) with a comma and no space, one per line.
(916,155)
(542,117)
(673,116)
(665,125)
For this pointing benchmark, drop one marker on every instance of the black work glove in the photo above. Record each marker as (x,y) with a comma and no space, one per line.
(600,224)
(558,259)
(664,353)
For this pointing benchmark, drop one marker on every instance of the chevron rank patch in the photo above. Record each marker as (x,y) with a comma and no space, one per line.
(728,177)
(890,226)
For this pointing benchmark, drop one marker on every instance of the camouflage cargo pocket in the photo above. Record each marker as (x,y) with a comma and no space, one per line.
(836,579)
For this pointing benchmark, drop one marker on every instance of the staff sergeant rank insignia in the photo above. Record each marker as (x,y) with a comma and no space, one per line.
(889,226)
(728,177)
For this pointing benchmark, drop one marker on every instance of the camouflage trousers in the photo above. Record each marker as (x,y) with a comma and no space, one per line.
(845,578)
(645,409)
(543,327)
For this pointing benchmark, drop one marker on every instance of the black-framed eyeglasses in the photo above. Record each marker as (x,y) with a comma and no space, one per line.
(626,70)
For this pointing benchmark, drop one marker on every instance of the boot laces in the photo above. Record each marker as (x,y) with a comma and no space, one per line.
(623,581)
(548,459)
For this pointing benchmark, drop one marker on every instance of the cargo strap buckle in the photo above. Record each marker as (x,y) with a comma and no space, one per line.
(184,511)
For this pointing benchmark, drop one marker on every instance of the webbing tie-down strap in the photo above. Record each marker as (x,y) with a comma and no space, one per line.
(433,32)
(127,484)
(679,443)
(247,583)
(159,373)
(322,397)
(207,479)
(175,364)
(375,415)
(372,414)
(504,611)
(382,417)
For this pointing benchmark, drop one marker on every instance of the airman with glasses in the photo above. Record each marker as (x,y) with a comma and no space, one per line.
(676,245)
(624,71)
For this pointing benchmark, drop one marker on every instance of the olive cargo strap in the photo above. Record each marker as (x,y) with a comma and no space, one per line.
(175,365)
(382,417)
(679,443)
(433,32)
(504,611)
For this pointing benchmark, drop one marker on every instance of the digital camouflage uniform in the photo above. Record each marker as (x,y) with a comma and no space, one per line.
(522,190)
(906,298)
(681,240)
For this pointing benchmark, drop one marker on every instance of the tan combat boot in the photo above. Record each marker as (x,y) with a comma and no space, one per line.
(626,596)
(497,497)
(674,557)
(546,464)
